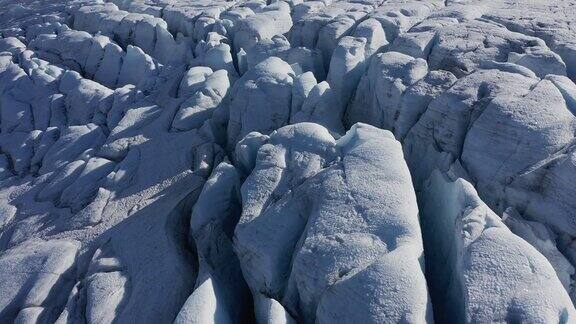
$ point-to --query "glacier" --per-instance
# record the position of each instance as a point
(287, 161)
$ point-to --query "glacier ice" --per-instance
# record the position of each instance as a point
(479, 271)
(287, 161)
(362, 227)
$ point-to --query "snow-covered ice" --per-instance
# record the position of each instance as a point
(287, 161)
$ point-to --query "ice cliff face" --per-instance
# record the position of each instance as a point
(287, 161)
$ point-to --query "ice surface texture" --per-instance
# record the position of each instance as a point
(287, 161)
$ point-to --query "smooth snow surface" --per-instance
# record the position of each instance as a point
(287, 161)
